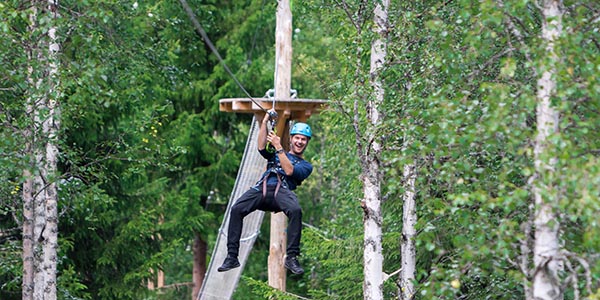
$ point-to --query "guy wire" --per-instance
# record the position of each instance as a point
(200, 30)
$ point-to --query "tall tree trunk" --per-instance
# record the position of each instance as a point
(29, 190)
(28, 242)
(371, 173)
(40, 193)
(547, 263)
(199, 269)
(407, 245)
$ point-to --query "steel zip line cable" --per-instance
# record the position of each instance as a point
(200, 30)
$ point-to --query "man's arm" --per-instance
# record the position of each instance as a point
(262, 133)
(302, 170)
(284, 161)
(271, 137)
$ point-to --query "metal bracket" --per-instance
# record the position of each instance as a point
(270, 94)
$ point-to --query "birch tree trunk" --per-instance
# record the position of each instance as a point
(371, 174)
(40, 193)
(28, 218)
(407, 245)
(29, 186)
(547, 263)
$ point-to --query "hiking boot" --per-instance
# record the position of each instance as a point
(292, 264)
(229, 263)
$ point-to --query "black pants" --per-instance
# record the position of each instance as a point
(252, 200)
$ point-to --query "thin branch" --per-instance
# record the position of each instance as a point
(488, 62)
(340, 105)
(296, 296)
(573, 279)
(176, 285)
(587, 25)
(320, 232)
(515, 31)
(357, 133)
(586, 266)
(346, 10)
(541, 266)
(387, 276)
(594, 151)
(9, 232)
(355, 120)
(438, 8)
(525, 251)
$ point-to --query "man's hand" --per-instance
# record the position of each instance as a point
(274, 140)
(263, 134)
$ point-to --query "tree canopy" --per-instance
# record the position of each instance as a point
(147, 161)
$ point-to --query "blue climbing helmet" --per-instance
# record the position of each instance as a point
(301, 128)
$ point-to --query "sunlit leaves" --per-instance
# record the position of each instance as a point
(145, 137)
(462, 88)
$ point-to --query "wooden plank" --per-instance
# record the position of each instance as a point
(295, 106)
(288, 109)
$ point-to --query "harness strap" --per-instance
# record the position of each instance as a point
(264, 195)
(278, 185)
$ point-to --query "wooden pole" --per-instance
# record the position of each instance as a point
(283, 76)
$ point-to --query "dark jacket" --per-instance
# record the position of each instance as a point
(302, 170)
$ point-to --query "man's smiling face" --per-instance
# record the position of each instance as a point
(298, 144)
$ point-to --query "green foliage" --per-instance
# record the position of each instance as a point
(10, 269)
(337, 264)
(144, 149)
(265, 291)
(461, 100)
(147, 160)
(71, 287)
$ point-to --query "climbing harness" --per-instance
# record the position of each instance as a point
(273, 167)
(264, 185)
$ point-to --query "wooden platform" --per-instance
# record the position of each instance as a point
(288, 109)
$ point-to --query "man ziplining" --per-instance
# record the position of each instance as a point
(274, 191)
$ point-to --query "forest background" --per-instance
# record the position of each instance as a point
(145, 162)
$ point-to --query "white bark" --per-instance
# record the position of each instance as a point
(547, 263)
(40, 197)
(373, 257)
(29, 187)
(28, 241)
(407, 245)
